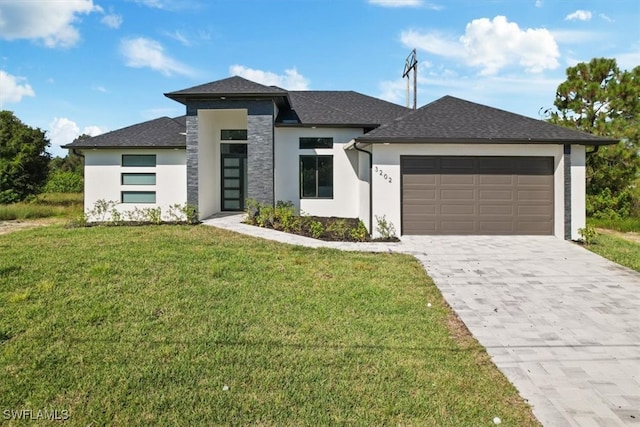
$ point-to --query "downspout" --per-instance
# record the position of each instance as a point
(595, 150)
(355, 145)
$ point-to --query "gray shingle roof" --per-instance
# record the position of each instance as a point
(233, 86)
(341, 108)
(163, 132)
(450, 119)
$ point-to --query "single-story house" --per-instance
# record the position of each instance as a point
(450, 167)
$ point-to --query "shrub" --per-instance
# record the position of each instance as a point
(64, 182)
(360, 233)
(588, 235)
(339, 228)
(316, 228)
(385, 229)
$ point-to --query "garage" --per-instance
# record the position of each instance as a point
(477, 195)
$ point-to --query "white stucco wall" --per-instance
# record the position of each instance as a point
(386, 162)
(103, 170)
(347, 186)
(210, 123)
(578, 190)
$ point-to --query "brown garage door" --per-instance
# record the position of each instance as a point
(477, 195)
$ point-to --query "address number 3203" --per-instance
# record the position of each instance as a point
(384, 176)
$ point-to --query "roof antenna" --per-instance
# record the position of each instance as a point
(411, 63)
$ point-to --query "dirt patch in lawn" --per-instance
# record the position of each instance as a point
(630, 235)
(17, 225)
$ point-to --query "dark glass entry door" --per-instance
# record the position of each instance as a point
(234, 176)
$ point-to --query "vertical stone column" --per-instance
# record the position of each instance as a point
(192, 160)
(260, 158)
(567, 191)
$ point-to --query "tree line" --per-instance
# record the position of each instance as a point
(597, 97)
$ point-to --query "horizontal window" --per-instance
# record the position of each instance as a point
(316, 143)
(139, 160)
(138, 197)
(138, 179)
(233, 134)
(316, 177)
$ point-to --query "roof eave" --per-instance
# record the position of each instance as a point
(421, 140)
(327, 125)
(127, 147)
(280, 98)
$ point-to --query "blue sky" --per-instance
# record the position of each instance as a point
(91, 66)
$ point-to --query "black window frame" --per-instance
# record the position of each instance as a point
(308, 142)
(317, 179)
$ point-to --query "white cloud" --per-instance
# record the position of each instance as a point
(405, 3)
(12, 88)
(180, 37)
(112, 20)
(575, 36)
(291, 79)
(166, 4)
(64, 131)
(539, 3)
(49, 21)
(101, 89)
(142, 52)
(606, 18)
(492, 45)
(579, 15)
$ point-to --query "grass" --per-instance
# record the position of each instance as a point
(618, 250)
(623, 225)
(60, 205)
(147, 325)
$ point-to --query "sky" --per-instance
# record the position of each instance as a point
(91, 66)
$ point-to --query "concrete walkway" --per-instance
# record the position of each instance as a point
(561, 323)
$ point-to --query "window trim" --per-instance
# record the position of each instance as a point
(122, 175)
(122, 193)
(313, 142)
(317, 187)
(130, 156)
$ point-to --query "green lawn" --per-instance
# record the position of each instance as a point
(621, 224)
(617, 249)
(146, 326)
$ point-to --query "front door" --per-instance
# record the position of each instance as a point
(234, 176)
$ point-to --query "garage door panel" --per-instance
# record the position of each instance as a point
(496, 180)
(533, 195)
(454, 194)
(477, 195)
(495, 209)
(457, 180)
(457, 209)
(457, 227)
(488, 195)
(495, 227)
(421, 180)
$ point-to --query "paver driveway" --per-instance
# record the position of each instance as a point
(562, 323)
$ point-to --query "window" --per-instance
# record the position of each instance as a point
(316, 143)
(139, 160)
(138, 197)
(138, 179)
(316, 177)
(233, 134)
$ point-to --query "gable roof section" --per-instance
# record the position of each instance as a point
(163, 132)
(232, 87)
(451, 119)
(338, 108)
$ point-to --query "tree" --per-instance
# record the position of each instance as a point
(23, 159)
(72, 162)
(600, 99)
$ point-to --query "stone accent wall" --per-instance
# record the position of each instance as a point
(192, 160)
(567, 191)
(260, 158)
